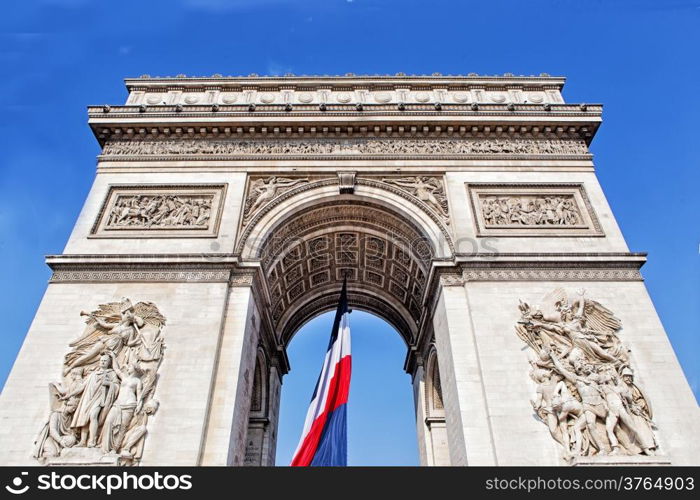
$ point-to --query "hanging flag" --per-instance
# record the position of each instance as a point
(324, 441)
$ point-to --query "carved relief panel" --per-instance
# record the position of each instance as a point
(532, 210)
(149, 211)
(586, 394)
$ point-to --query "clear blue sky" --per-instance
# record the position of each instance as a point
(639, 58)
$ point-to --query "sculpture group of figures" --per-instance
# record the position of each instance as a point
(160, 211)
(135, 147)
(106, 394)
(530, 211)
(586, 393)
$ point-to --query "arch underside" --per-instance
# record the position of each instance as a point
(384, 256)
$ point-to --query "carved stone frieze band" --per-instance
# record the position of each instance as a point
(512, 209)
(341, 147)
(530, 274)
(213, 92)
(451, 279)
(160, 211)
(242, 278)
(138, 274)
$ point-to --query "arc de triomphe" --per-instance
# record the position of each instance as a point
(465, 211)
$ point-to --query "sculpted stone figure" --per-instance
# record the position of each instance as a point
(118, 334)
(619, 399)
(160, 210)
(585, 390)
(129, 401)
(554, 403)
(109, 381)
(132, 446)
(426, 189)
(97, 393)
(263, 191)
(57, 432)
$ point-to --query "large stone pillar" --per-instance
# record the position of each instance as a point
(419, 405)
(273, 411)
(469, 432)
(225, 435)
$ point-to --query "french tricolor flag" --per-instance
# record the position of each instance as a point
(324, 441)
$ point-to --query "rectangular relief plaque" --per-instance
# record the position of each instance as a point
(556, 210)
(162, 210)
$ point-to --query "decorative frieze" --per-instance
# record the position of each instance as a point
(424, 93)
(562, 274)
(160, 210)
(532, 210)
(106, 275)
(341, 147)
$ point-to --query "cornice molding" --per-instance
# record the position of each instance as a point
(305, 111)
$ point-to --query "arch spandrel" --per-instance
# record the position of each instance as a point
(257, 228)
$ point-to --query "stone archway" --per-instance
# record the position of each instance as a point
(233, 208)
(306, 247)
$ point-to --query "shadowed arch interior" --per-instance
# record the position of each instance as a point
(384, 256)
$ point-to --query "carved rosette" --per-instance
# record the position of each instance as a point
(586, 392)
(101, 407)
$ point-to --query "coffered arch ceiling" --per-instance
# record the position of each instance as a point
(385, 257)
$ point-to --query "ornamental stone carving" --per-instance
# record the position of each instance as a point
(262, 191)
(160, 210)
(532, 210)
(340, 147)
(429, 190)
(101, 405)
(586, 393)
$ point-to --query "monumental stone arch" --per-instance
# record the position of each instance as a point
(463, 210)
